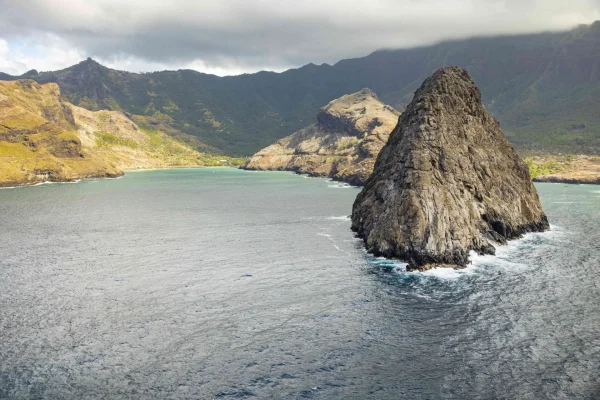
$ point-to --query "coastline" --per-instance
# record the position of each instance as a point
(21, 184)
(567, 180)
(352, 179)
(577, 170)
(555, 178)
(129, 170)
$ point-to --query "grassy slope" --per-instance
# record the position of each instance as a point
(565, 168)
(43, 138)
(38, 137)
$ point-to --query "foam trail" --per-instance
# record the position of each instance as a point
(340, 185)
(452, 273)
(342, 218)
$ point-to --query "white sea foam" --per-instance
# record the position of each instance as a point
(450, 273)
(342, 218)
(503, 257)
(340, 185)
(330, 218)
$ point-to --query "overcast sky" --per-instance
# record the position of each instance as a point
(228, 37)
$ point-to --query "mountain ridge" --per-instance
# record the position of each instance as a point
(542, 87)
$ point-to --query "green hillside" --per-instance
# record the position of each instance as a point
(544, 88)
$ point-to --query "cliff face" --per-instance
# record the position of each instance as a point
(38, 137)
(343, 144)
(447, 181)
(43, 138)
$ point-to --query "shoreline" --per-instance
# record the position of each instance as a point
(16, 185)
(553, 178)
(176, 167)
(567, 180)
(351, 182)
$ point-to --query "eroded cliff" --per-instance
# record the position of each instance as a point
(447, 181)
(342, 144)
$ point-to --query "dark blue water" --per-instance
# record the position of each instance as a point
(218, 283)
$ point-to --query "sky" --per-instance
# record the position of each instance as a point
(230, 37)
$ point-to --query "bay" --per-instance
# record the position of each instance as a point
(221, 283)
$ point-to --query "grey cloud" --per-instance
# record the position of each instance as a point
(255, 33)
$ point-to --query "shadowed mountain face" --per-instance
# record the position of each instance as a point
(544, 89)
(447, 181)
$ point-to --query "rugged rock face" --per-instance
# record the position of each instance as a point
(38, 138)
(343, 144)
(447, 181)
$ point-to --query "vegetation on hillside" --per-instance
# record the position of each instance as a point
(565, 168)
(539, 166)
(43, 138)
(544, 89)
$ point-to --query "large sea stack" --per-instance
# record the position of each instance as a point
(447, 181)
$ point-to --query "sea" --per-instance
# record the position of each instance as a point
(218, 283)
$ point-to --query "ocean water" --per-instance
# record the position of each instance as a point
(220, 283)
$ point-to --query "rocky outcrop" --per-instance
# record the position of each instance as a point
(38, 138)
(447, 182)
(343, 144)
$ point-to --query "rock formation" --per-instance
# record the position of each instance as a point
(447, 181)
(343, 144)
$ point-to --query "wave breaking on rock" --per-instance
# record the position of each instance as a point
(447, 181)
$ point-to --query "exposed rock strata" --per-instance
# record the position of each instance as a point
(447, 181)
(343, 144)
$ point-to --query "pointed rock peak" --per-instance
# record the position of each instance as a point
(447, 182)
(90, 63)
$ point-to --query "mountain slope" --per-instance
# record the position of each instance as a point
(544, 89)
(343, 144)
(43, 138)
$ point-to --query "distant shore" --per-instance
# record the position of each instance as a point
(17, 184)
(572, 170)
(178, 167)
(569, 169)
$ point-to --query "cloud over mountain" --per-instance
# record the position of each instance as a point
(234, 36)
